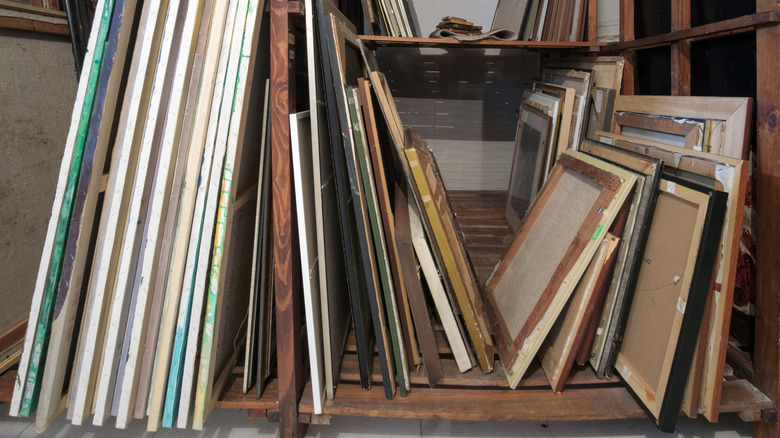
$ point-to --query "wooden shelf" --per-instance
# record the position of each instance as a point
(374, 41)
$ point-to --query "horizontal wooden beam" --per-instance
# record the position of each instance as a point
(27, 24)
(374, 41)
(733, 26)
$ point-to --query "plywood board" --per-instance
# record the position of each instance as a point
(669, 298)
(33, 145)
(574, 209)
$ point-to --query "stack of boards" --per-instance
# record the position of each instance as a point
(543, 20)
(611, 257)
(393, 18)
(148, 270)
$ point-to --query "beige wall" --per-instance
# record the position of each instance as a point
(37, 90)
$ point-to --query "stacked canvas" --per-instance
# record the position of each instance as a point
(543, 20)
(142, 288)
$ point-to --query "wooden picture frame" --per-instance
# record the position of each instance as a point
(528, 162)
(575, 207)
(431, 195)
(606, 71)
(669, 299)
(361, 313)
(581, 82)
(611, 321)
(559, 349)
(549, 105)
(600, 114)
(731, 177)
(684, 133)
(566, 97)
(734, 114)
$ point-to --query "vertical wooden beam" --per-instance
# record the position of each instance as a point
(627, 34)
(681, 50)
(288, 323)
(592, 24)
(767, 354)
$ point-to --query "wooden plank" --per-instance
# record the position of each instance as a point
(766, 356)
(681, 50)
(30, 25)
(745, 23)
(488, 405)
(81, 110)
(374, 41)
(233, 396)
(740, 396)
(289, 354)
(413, 283)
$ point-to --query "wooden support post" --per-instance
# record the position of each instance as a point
(767, 353)
(681, 50)
(288, 323)
(627, 34)
(592, 26)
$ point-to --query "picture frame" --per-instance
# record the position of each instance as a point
(577, 205)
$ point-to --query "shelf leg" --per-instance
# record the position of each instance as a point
(767, 353)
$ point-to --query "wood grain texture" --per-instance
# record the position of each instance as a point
(767, 356)
(288, 321)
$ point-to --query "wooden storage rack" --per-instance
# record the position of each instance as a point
(287, 398)
(584, 399)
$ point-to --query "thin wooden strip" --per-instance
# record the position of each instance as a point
(488, 404)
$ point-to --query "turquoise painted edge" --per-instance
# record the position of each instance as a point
(33, 383)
